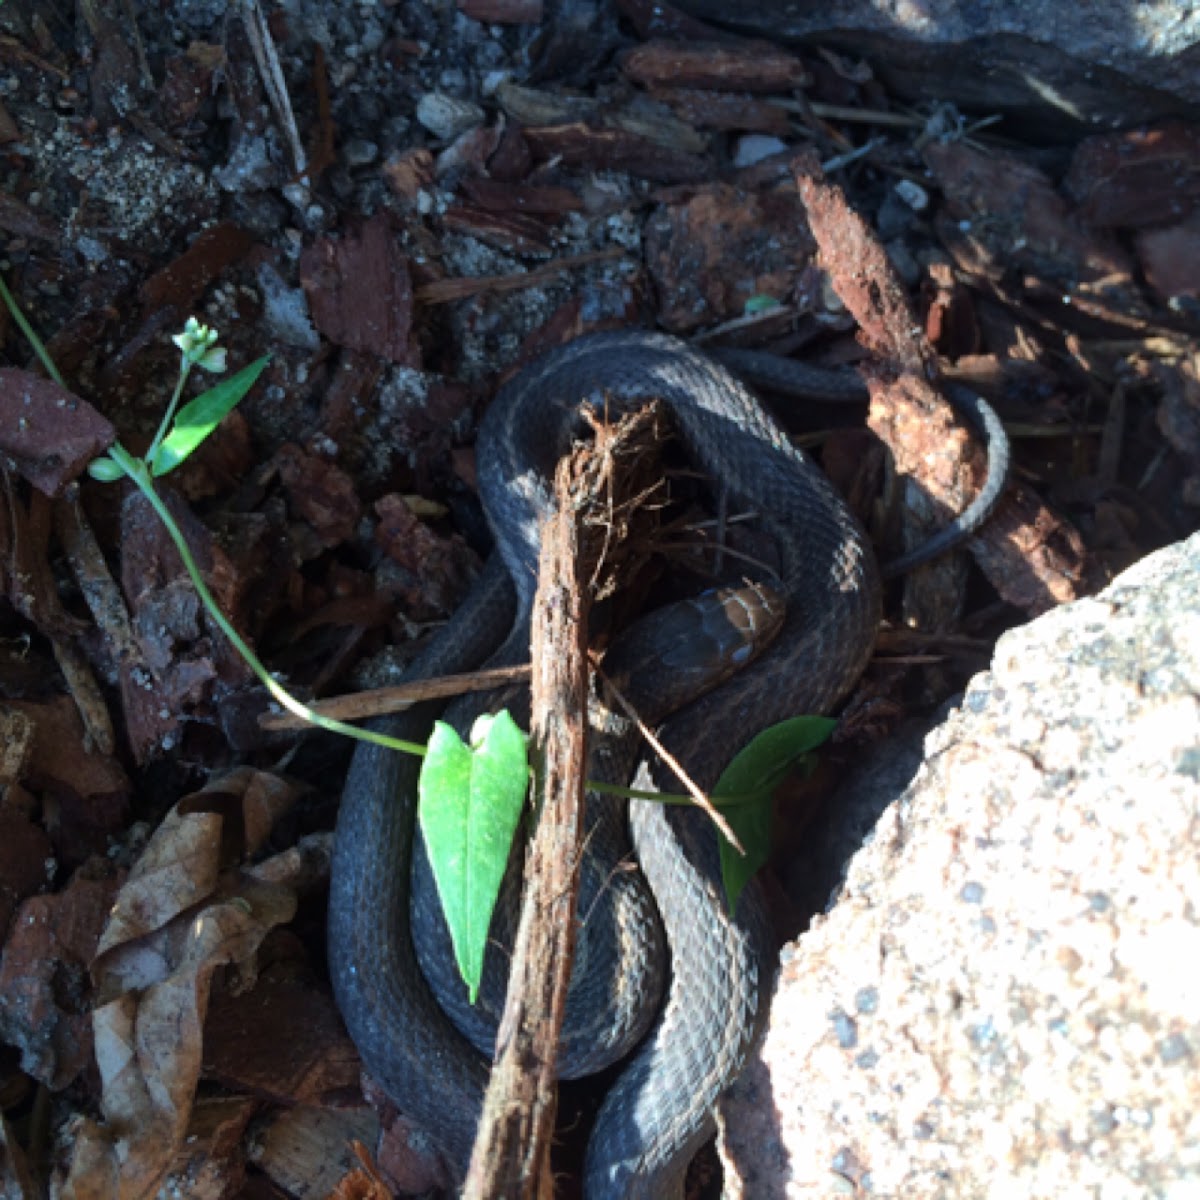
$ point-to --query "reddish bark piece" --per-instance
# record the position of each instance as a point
(512, 158)
(950, 323)
(151, 561)
(21, 221)
(341, 403)
(180, 284)
(577, 144)
(323, 143)
(440, 567)
(1053, 561)
(1032, 556)
(44, 991)
(735, 67)
(83, 826)
(86, 794)
(503, 12)
(58, 757)
(513, 232)
(187, 83)
(360, 292)
(1017, 222)
(182, 653)
(863, 276)
(725, 110)
(445, 402)
(25, 562)
(1136, 178)
(494, 195)
(113, 77)
(283, 1040)
(319, 492)
(368, 610)
(709, 255)
(360, 1184)
(608, 306)
(48, 434)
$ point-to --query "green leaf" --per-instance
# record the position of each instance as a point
(752, 777)
(105, 470)
(199, 417)
(470, 801)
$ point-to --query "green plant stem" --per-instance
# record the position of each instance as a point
(139, 473)
(30, 336)
(185, 369)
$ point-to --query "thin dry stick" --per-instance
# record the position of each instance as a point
(443, 291)
(273, 79)
(690, 786)
(361, 706)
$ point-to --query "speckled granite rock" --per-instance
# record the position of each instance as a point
(1108, 61)
(1005, 1000)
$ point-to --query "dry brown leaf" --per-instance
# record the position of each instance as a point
(178, 869)
(175, 921)
(249, 801)
(148, 1049)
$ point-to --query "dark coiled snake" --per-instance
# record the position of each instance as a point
(661, 1108)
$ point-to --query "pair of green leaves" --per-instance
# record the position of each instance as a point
(471, 796)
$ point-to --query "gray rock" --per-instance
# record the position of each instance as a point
(447, 116)
(1109, 61)
(1005, 1000)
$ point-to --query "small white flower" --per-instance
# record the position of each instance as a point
(198, 343)
(213, 360)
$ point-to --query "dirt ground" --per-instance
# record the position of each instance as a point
(401, 205)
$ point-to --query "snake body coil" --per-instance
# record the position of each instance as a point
(660, 1109)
